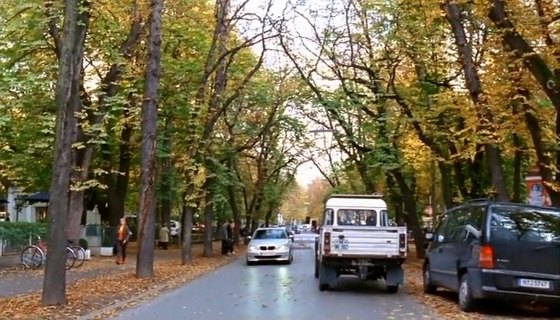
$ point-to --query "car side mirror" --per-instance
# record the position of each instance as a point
(429, 236)
(249, 237)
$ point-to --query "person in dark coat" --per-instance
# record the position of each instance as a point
(226, 235)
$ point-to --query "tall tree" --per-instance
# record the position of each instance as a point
(67, 94)
(145, 258)
(493, 153)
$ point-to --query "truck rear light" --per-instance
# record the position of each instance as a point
(402, 242)
(486, 257)
(327, 242)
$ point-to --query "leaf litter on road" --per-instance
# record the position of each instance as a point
(445, 303)
(111, 292)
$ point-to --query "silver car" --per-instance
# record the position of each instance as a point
(270, 244)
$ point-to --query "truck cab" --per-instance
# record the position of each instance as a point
(356, 239)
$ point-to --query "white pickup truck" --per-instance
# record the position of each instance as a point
(355, 239)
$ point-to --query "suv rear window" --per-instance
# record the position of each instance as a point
(522, 223)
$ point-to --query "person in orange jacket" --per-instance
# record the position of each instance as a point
(123, 234)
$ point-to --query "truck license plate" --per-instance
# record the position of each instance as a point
(340, 244)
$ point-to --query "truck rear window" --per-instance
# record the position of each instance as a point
(521, 223)
(353, 217)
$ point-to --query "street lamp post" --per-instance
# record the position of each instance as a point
(19, 200)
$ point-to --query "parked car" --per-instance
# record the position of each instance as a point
(493, 250)
(270, 244)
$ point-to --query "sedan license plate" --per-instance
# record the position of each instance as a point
(267, 253)
(535, 284)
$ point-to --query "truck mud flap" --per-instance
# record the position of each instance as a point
(327, 276)
(395, 275)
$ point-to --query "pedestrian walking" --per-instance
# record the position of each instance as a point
(164, 237)
(123, 235)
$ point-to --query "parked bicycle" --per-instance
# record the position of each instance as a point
(79, 252)
(35, 255)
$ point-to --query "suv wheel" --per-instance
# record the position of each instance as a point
(428, 286)
(466, 301)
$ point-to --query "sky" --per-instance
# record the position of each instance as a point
(308, 171)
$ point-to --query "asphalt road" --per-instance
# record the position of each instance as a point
(278, 292)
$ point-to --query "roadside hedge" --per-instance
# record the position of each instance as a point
(18, 233)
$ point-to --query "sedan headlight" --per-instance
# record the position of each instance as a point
(282, 248)
(253, 248)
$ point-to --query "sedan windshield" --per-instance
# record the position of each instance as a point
(524, 224)
(270, 234)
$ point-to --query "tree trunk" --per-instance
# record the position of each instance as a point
(267, 217)
(517, 168)
(453, 14)
(82, 158)
(146, 228)
(186, 236)
(122, 177)
(395, 198)
(166, 173)
(446, 184)
(208, 222)
(232, 197)
(67, 97)
(75, 214)
(412, 218)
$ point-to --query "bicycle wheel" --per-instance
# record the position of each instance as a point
(80, 255)
(70, 258)
(32, 257)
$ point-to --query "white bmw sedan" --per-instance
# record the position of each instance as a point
(270, 244)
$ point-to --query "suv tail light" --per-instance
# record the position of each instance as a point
(486, 257)
(327, 242)
(402, 242)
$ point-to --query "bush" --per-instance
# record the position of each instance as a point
(83, 243)
(19, 233)
(109, 236)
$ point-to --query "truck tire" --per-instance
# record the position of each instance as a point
(393, 289)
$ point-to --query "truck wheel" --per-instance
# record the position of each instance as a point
(393, 289)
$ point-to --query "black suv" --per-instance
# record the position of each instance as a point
(486, 250)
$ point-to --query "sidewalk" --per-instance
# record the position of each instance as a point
(9, 261)
(15, 280)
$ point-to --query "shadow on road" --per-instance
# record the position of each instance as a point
(495, 308)
(357, 286)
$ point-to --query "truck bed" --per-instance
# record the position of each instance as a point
(365, 242)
